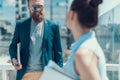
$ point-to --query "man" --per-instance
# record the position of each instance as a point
(39, 42)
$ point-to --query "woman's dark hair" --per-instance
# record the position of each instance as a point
(28, 1)
(87, 11)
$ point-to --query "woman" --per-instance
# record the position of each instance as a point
(87, 60)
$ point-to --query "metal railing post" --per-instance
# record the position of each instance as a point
(4, 75)
(119, 68)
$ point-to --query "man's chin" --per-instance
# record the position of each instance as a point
(37, 21)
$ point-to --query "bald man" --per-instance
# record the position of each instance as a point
(39, 42)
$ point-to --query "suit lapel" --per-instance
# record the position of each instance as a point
(28, 26)
(45, 32)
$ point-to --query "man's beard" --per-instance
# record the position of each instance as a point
(37, 17)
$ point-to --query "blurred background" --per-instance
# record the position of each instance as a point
(107, 31)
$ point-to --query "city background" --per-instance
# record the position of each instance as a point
(107, 31)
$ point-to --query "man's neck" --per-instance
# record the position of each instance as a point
(37, 22)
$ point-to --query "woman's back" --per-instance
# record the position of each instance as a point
(87, 41)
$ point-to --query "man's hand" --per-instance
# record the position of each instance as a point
(16, 65)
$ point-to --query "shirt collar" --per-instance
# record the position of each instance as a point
(40, 23)
(83, 38)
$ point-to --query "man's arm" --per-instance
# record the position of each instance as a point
(13, 45)
(13, 48)
(57, 47)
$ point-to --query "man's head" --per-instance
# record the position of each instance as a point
(36, 8)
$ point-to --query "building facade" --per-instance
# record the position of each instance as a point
(21, 9)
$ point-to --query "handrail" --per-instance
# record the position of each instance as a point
(7, 66)
(112, 67)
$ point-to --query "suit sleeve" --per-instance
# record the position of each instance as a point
(57, 47)
(15, 40)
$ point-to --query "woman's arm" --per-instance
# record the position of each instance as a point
(86, 64)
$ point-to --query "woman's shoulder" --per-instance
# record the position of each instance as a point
(84, 59)
(83, 52)
(90, 44)
(93, 46)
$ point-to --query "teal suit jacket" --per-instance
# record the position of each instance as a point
(51, 46)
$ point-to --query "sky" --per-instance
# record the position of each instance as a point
(7, 11)
(7, 2)
(107, 5)
(1, 1)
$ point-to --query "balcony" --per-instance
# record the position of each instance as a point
(6, 67)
